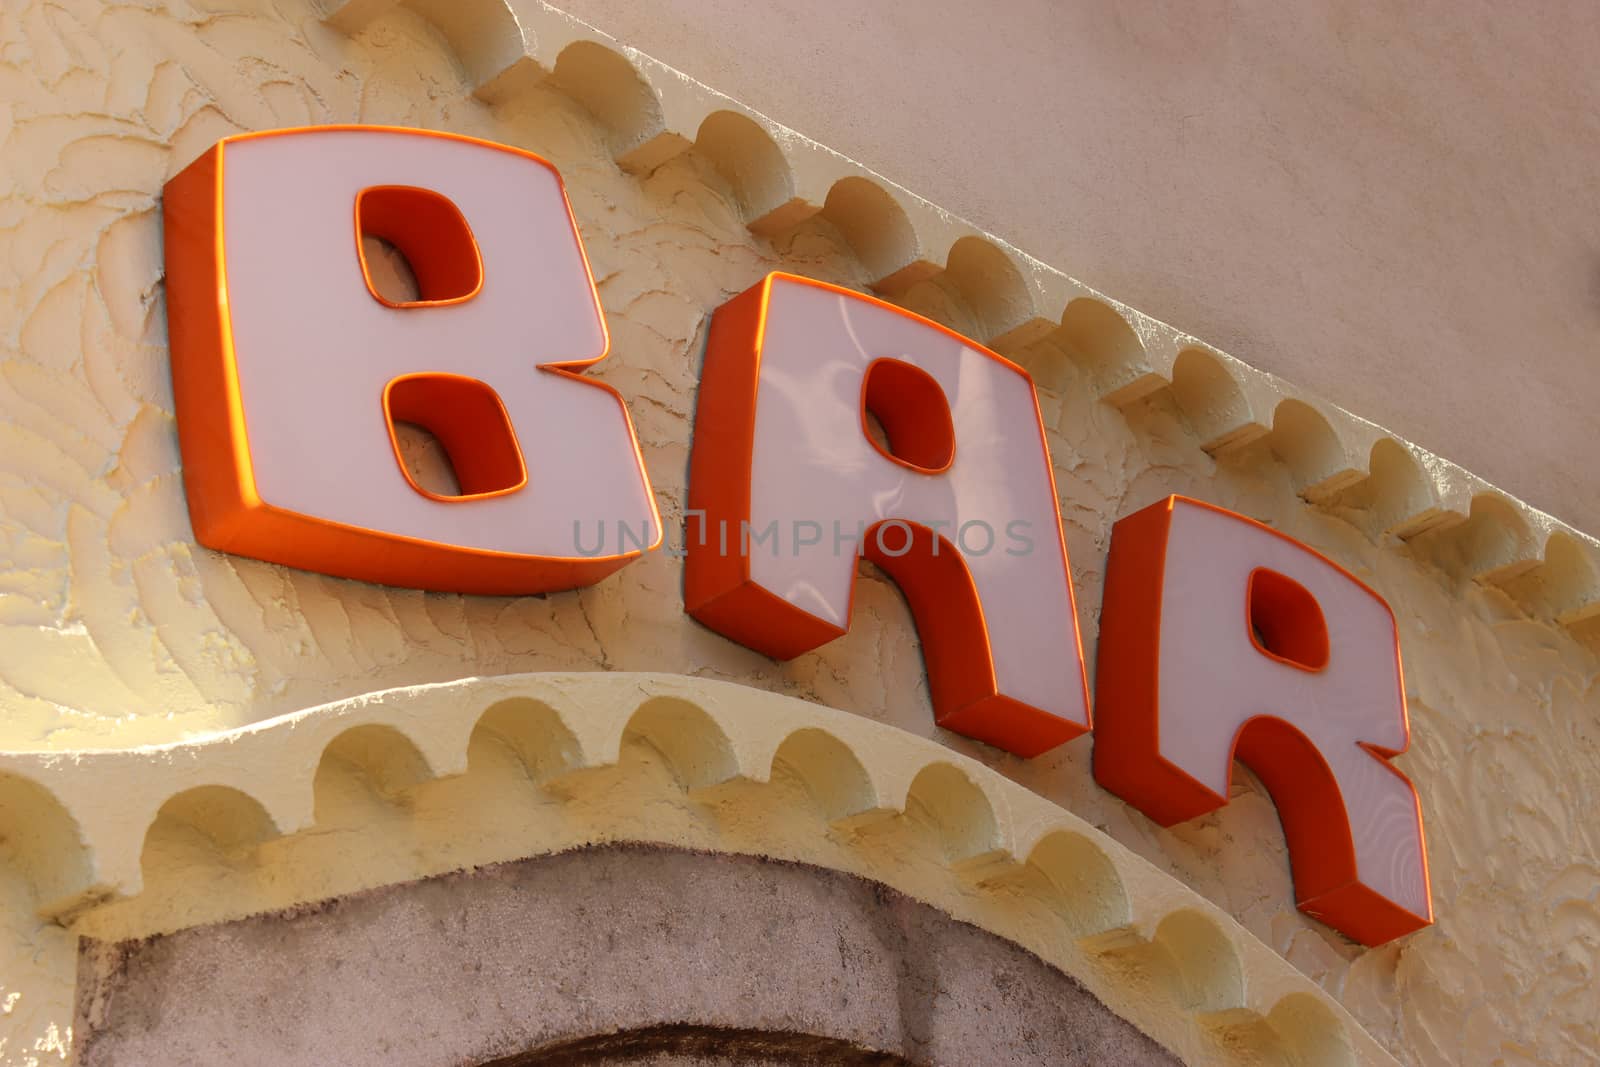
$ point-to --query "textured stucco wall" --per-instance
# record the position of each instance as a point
(115, 628)
(1392, 206)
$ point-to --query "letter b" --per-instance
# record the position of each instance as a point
(291, 369)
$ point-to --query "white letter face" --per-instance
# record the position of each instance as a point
(1253, 631)
(322, 362)
(964, 493)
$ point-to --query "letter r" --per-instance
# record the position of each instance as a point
(290, 370)
(1222, 638)
(795, 373)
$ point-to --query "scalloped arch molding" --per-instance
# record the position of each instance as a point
(1015, 304)
(395, 786)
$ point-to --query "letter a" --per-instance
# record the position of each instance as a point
(1222, 638)
(796, 372)
(291, 369)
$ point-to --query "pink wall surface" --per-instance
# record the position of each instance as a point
(1394, 208)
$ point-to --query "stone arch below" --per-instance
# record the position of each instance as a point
(603, 955)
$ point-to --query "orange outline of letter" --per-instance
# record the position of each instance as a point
(1127, 752)
(225, 509)
(719, 591)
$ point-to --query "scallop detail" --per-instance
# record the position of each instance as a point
(833, 776)
(40, 842)
(204, 814)
(1209, 396)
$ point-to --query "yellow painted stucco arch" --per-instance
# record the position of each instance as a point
(405, 784)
